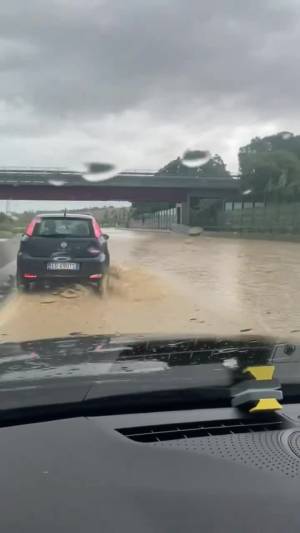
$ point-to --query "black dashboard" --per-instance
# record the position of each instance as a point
(95, 474)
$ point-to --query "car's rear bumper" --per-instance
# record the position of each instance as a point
(37, 267)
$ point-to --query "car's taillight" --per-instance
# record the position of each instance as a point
(96, 228)
(30, 228)
(30, 276)
(95, 276)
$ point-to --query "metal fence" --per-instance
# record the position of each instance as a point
(272, 218)
(162, 220)
(242, 217)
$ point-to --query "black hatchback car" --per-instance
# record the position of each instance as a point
(62, 247)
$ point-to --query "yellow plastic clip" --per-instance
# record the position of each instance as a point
(261, 373)
(266, 404)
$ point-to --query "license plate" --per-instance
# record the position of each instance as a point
(63, 266)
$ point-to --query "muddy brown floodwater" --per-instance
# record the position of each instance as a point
(164, 283)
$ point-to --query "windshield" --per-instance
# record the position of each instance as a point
(149, 173)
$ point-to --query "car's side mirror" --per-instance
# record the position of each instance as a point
(105, 236)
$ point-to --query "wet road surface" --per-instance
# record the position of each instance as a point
(164, 283)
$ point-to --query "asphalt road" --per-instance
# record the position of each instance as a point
(163, 283)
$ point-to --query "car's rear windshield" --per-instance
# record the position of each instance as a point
(63, 227)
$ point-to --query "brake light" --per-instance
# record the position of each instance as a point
(29, 276)
(30, 228)
(95, 276)
(96, 228)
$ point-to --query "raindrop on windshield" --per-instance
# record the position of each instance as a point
(286, 135)
(56, 183)
(99, 171)
(195, 158)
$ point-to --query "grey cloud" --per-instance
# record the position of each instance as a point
(85, 59)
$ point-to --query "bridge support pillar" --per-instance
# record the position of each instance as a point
(185, 211)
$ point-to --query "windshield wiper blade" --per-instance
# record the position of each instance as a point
(129, 403)
(159, 400)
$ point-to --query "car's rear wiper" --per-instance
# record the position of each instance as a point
(54, 235)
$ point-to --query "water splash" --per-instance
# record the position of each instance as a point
(195, 158)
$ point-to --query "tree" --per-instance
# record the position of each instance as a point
(270, 167)
(214, 168)
(4, 218)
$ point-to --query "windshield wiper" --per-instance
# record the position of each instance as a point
(142, 402)
(138, 402)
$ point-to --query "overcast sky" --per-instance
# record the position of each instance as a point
(136, 82)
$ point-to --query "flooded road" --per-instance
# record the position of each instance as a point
(164, 283)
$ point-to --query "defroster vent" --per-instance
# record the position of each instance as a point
(188, 430)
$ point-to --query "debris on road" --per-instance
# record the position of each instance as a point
(69, 293)
(195, 231)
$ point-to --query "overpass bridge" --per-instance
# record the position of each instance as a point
(53, 184)
(57, 184)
